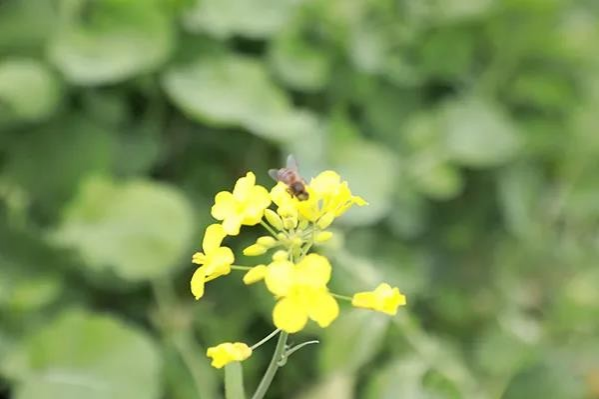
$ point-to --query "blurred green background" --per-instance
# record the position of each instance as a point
(471, 127)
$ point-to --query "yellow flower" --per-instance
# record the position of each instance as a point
(214, 262)
(228, 352)
(328, 195)
(245, 206)
(383, 299)
(302, 292)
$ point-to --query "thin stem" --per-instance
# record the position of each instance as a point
(300, 346)
(234, 381)
(237, 267)
(265, 339)
(344, 297)
(272, 367)
(267, 227)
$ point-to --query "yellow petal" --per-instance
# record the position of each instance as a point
(323, 308)
(198, 258)
(213, 237)
(314, 271)
(243, 186)
(326, 220)
(232, 224)
(289, 315)
(255, 204)
(228, 352)
(255, 274)
(219, 263)
(224, 205)
(325, 182)
(279, 278)
(197, 283)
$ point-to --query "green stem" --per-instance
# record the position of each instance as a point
(272, 367)
(234, 381)
(265, 339)
(344, 297)
(237, 267)
(267, 227)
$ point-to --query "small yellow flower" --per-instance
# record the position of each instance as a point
(302, 292)
(383, 299)
(244, 206)
(214, 262)
(328, 195)
(228, 352)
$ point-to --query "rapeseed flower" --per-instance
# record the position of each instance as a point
(297, 279)
(383, 299)
(244, 206)
(214, 262)
(302, 292)
(228, 352)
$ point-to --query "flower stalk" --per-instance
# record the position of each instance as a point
(273, 366)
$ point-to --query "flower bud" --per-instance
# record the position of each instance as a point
(323, 236)
(273, 219)
(280, 255)
(254, 250)
(267, 241)
(255, 274)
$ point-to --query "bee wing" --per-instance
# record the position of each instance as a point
(274, 173)
(292, 163)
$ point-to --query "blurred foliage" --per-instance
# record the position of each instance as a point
(469, 125)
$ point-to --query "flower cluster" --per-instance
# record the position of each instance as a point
(297, 279)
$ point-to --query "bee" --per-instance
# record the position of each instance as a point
(296, 185)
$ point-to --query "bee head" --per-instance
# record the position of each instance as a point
(302, 196)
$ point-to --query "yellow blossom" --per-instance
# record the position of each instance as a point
(302, 292)
(328, 195)
(244, 206)
(383, 299)
(214, 262)
(228, 352)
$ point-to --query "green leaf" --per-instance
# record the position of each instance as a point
(138, 229)
(226, 18)
(477, 133)
(82, 355)
(25, 25)
(71, 149)
(29, 90)
(553, 378)
(338, 386)
(235, 91)
(108, 41)
(362, 331)
(299, 63)
(401, 378)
